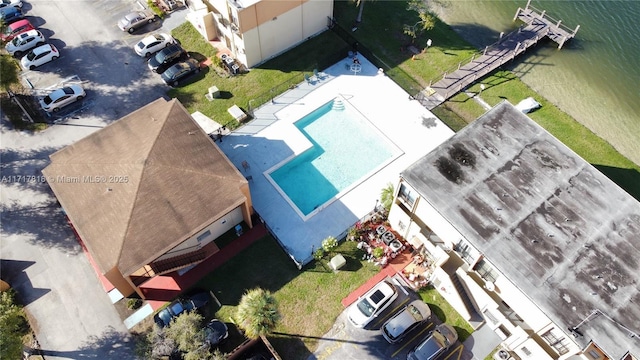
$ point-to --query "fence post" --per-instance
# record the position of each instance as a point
(542, 15)
(485, 50)
(459, 64)
(558, 25)
(576, 30)
(501, 35)
(517, 13)
(444, 76)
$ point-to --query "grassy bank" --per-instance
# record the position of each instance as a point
(447, 50)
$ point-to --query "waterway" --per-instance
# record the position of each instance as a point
(595, 77)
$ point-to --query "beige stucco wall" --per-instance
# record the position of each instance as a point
(217, 228)
(119, 282)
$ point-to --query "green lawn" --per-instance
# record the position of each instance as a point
(449, 49)
(309, 299)
(503, 85)
(445, 312)
(258, 85)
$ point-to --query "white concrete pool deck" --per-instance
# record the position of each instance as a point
(271, 138)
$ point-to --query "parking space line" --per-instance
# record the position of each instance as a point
(454, 351)
(406, 343)
(392, 312)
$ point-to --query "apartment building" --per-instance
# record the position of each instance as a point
(149, 194)
(257, 30)
(527, 238)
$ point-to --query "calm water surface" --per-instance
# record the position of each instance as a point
(595, 77)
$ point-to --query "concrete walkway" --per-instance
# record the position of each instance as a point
(271, 139)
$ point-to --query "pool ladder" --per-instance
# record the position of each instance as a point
(338, 104)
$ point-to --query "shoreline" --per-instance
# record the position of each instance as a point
(617, 134)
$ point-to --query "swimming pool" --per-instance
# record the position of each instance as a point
(346, 149)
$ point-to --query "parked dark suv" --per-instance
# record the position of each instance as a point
(167, 57)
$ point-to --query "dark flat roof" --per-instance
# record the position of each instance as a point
(559, 229)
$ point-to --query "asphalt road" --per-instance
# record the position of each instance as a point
(344, 341)
(70, 311)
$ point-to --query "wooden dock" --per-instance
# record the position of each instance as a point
(538, 25)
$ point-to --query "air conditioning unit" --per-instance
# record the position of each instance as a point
(503, 355)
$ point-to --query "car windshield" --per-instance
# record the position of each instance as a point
(177, 308)
(365, 307)
(428, 349)
(31, 55)
(15, 41)
(67, 90)
(158, 37)
(47, 100)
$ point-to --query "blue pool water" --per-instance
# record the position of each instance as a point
(346, 149)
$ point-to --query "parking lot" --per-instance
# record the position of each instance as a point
(72, 315)
(344, 341)
(96, 54)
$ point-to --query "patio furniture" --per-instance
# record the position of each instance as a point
(319, 74)
(237, 113)
(356, 68)
(311, 80)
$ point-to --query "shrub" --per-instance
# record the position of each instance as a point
(318, 254)
(352, 233)
(378, 252)
(329, 244)
(155, 8)
(134, 303)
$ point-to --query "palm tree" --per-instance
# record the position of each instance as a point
(257, 313)
(386, 196)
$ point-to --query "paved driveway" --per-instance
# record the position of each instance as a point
(344, 341)
(71, 313)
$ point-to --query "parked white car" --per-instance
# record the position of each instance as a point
(153, 43)
(62, 97)
(371, 304)
(38, 56)
(24, 42)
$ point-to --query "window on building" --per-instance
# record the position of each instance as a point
(401, 226)
(594, 354)
(504, 330)
(490, 317)
(465, 250)
(202, 237)
(486, 271)
(558, 343)
(406, 195)
(526, 351)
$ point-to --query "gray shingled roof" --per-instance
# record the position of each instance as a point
(549, 221)
(177, 182)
